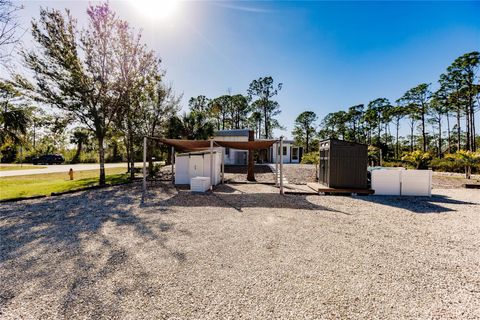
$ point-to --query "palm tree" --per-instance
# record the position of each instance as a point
(80, 138)
(190, 126)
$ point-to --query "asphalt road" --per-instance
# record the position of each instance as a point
(62, 168)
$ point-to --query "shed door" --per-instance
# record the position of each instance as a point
(324, 167)
(196, 166)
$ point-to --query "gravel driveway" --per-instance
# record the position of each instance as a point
(243, 252)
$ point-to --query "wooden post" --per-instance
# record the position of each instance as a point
(172, 161)
(211, 164)
(144, 167)
(223, 165)
(281, 165)
(276, 163)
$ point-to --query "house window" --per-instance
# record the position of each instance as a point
(284, 151)
(294, 153)
(227, 151)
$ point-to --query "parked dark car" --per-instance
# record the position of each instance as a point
(49, 159)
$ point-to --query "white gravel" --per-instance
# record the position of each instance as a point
(243, 252)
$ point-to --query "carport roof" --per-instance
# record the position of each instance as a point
(197, 145)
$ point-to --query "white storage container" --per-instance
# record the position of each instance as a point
(199, 184)
(386, 182)
(417, 183)
(197, 164)
(402, 182)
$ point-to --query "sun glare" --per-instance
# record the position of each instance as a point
(156, 9)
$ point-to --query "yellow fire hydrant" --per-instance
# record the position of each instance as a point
(70, 173)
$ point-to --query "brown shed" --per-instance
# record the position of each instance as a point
(343, 164)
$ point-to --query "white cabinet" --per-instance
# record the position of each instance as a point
(197, 164)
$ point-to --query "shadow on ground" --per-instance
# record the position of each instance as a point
(70, 242)
(226, 196)
(420, 205)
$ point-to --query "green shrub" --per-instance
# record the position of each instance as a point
(417, 158)
(85, 157)
(469, 160)
(311, 158)
(155, 169)
(396, 163)
(446, 165)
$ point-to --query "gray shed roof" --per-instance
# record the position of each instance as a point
(232, 133)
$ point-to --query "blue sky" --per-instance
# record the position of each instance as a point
(328, 55)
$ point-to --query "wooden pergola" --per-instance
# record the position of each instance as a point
(203, 145)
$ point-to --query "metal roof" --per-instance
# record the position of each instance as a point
(232, 133)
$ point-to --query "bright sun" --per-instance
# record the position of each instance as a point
(156, 9)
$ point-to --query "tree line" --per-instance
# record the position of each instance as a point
(256, 109)
(440, 120)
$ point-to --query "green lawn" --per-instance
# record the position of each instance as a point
(18, 167)
(39, 184)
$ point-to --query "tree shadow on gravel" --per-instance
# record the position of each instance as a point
(225, 196)
(419, 205)
(38, 237)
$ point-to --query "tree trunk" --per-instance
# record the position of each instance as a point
(101, 158)
(76, 157)
(307, 144)
(459, 132)
(266, 119)
(468, 172)
(127, 149)
(396, 147)
(424, 135)
(439, 137)
(448, 133)
(34, 136)
(411, 137)
(473, 144)
(467, 124)
(132, 160)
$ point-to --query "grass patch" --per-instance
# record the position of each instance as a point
(39, 184)
(17, 167)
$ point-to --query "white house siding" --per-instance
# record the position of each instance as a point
(288, 153)
(234, 156)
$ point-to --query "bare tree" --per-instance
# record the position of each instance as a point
(8, 28)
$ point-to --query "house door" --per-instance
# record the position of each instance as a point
(294, 154)
(196, 166)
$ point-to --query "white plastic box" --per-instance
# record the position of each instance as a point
(402, 182)
(199, 184)
(386, 182)
(417, 183)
